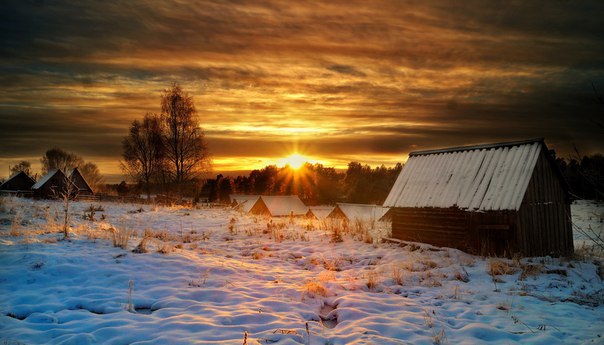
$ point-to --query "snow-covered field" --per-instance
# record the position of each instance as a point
(213, 276)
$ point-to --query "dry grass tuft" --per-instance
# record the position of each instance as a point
(326, 276)
(15, 226)
(500, 267)
(166, 248)
(461, 276)
(121, 236)
(313, 289)
(397, 275)
(141, 248)
(372, 280)
(530, 270)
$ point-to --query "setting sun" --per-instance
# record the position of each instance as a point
(295, 161)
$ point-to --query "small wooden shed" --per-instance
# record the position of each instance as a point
(319, 212)
(80, 182)
(279, 206)
(361, 212)
(243, 202)
(52, 185)
(502, 198)
(19, 183)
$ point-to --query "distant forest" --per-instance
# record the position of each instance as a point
(316, 184)
(585, 176)
(313, 183)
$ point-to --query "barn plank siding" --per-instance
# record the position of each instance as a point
(491, 199)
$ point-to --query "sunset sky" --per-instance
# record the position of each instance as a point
(335, 81)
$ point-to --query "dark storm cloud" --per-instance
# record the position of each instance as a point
(341, 78)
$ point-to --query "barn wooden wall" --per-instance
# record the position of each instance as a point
(544, 218)
(485, 233)
(541, 227)
(447, 227)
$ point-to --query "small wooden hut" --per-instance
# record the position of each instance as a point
(319, 212)
(243, 202)
(18, 184)
(80, 182)
(361, 212)
(502, 198)
(279, 206)
(53, 185)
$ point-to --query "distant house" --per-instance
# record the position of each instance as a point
(80, 182)
(319, 212)
(361, 212)
(18, 184)
(52, 185)
(279, 206)
(243, 202)
(489, 199)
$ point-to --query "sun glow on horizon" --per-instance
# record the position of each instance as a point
(295, 161)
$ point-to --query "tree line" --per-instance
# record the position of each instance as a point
(315, 184)
(585, 175)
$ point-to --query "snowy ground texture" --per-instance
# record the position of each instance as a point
(211, 276)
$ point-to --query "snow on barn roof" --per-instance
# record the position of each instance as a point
(284, 205)
(45, 178)
(244, 203)
(484, 177)
(320, 212)
(362, 211)
(240, 198)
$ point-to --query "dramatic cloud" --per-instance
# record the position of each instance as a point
(337, 80)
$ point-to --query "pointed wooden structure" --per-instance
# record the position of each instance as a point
(18, 184)
(502, 198)
(53, 185)
(83, 187)
(279, 206)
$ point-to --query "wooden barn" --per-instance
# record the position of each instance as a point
(279, 206)
(319, 212)
(18, 184)
(243, 202)
(361, 212)
(80, 182)
(502, 198)
(52, 185)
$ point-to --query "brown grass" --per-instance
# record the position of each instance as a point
(372, 280)
(165, 248)
(530, 270)
(500, 267)
(121, 236)
(313, 289)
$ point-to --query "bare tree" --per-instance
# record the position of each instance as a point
(186, 148)
(91, 173)
(57, 158)
(143, 151)
(67, 192)
(24, 166)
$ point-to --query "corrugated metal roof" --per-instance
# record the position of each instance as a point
(284, 205)
(363, 212)
(45, 178)
(483, 178)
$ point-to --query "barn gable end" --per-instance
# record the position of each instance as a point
(279, 206)
(488, 199)
(80, 182)
(19, 182)
(51, 185)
